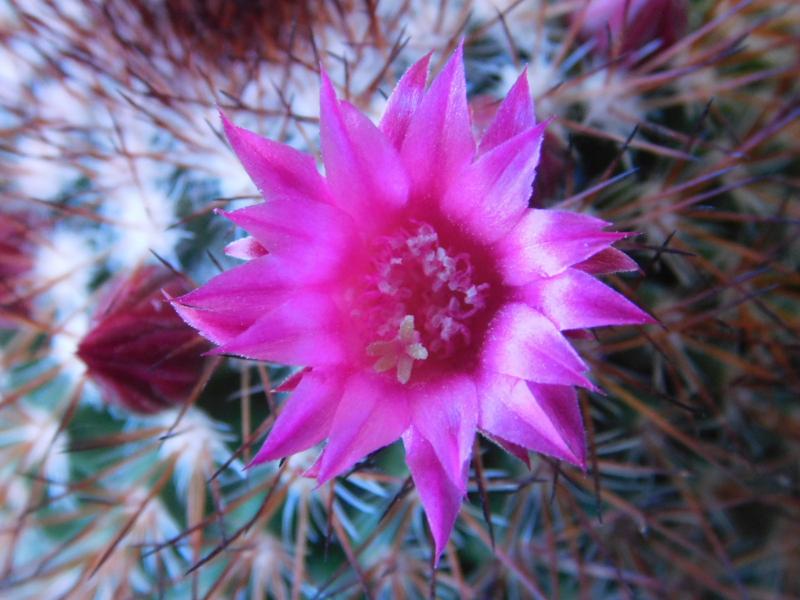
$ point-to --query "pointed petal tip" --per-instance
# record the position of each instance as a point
(440, 539)
(263, 455)
(592, 387)
(648, 319)
(518, 451)
(325, 84)
(582, 464)
(312, 472)
(228, 127)
(576, 460)
(180, 306)
(579, 458)
(456, 60)
(218, 351)
(254, 462)
(437, 556)
(323, 475)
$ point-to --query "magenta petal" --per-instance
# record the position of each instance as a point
(560, 403)
(312, 472)
(292, 381)
(232, 301)
(440, 496)
(520, 452)
(492, 194)
(307, 330)
(305, 419)
(439, 142)
(276, 169)
(364, 171)
(373, 413)
(606, 261)
(286, 223)
(403, 102)
(545, 242)
(248, 290)
(446, 413)
(211, 325)
(316, 238)
(246, 248)
(578, 334)
(542, 418)
(514, 115)
(576, 300)
(524, 343)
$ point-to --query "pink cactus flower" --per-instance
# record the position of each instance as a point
(427, 299)
(634, 23)
(138, 351)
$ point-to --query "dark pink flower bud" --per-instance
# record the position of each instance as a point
(16, 261)
(631, 24)
(139, 351)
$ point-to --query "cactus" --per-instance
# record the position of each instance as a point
(114, 161)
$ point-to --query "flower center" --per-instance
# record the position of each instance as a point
(418, 301)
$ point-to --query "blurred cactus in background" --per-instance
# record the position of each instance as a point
(123, 448)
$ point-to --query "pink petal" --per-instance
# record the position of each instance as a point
(403, 102)
(542, 418)
(306, 330)
(373, 413)
(312, 472)
(440, 496)
(276, 169)
(439, 143)
(578, 334)
(576, 300)
(545, 242)
(561, 404)
(292, 381)
(231, 302)
(609, 260)
(211, 325)
(446, 413)
(364, 171)
(492, 194)
(317, 238)
(246, 248)
(243, 286)
(524, 343)
(513, 449)
(514, 116)
(305, 419)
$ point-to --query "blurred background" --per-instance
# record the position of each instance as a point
(122, 447)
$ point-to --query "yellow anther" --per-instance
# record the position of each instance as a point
(399, 353)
